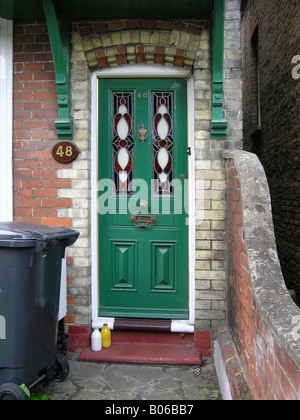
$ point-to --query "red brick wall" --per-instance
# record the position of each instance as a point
(35, 109)
(270, 371)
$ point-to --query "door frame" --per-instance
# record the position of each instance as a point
(143, 71)
(6, 119)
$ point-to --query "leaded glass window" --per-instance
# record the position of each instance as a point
(162, 142)
(123, 141)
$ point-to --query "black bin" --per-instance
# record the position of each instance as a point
(30, 276)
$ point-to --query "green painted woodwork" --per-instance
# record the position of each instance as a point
(143, 272)
(59, 33)
(219, 123)
(7, 8)
(20, 10)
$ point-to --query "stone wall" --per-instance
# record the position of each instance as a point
(263, 321)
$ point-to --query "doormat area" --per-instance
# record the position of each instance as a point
(149, 348)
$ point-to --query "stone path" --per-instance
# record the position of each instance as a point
(107, 381)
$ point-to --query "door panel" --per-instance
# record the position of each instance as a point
(142, 161)
(124, 266)
(164, 274)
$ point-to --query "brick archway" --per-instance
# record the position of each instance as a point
(170, 43)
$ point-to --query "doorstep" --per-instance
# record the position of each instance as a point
(147, 347)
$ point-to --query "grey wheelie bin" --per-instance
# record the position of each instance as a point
(30, 276)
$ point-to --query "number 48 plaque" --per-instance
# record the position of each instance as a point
(65, 152)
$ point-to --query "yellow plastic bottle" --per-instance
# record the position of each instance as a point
(106, 337)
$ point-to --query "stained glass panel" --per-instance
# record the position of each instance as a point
(123, 141)
(162, 142)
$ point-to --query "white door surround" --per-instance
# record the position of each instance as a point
(6, 107)
(143, 71)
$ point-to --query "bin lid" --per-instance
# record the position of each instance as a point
(18, 234)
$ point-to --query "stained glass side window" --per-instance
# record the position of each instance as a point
(123, 141)
(163, 142)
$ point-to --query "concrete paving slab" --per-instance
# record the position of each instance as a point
(113, 382)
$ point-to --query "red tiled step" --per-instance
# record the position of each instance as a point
(155, 348)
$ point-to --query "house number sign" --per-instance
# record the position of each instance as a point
(65, 152)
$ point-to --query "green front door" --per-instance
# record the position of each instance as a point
(142, 195)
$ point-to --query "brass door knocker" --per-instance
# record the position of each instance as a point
(142, 133)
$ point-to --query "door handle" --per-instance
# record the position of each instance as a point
(143, 204)
(142, 221)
